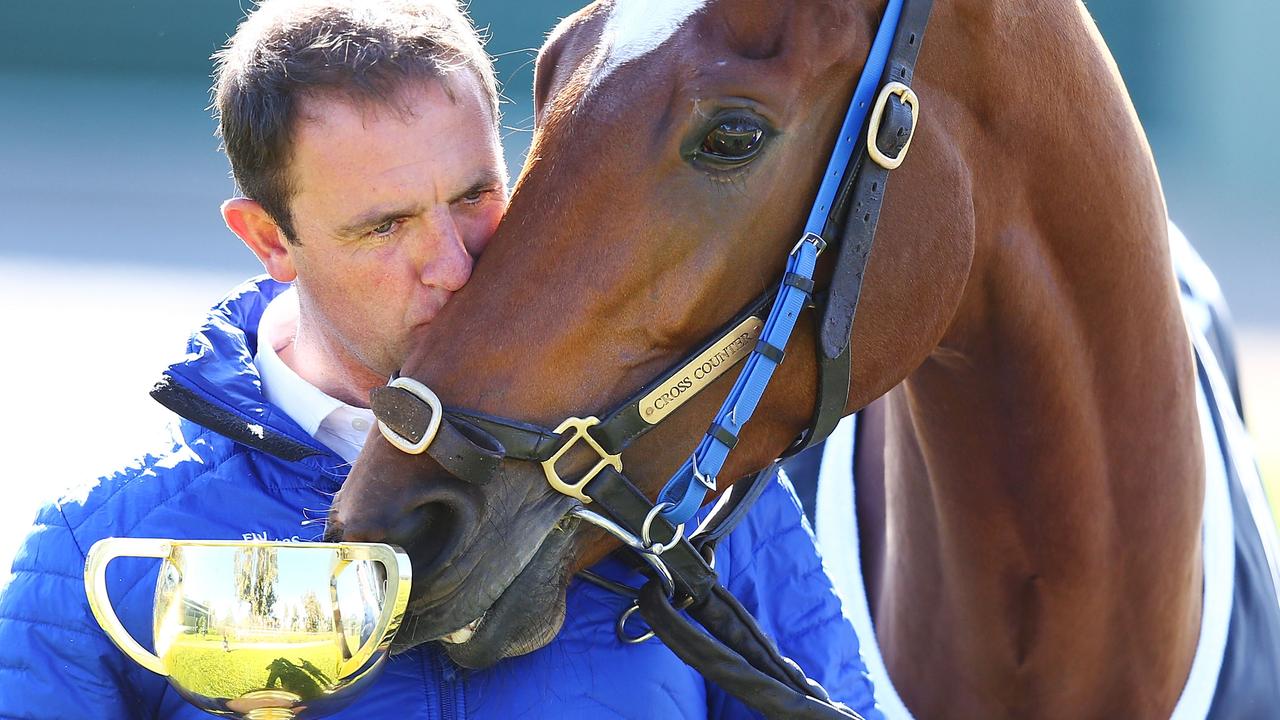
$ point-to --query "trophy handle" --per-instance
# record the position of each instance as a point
(396, 563)
(95, 586)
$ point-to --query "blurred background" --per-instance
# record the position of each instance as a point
(112, 248)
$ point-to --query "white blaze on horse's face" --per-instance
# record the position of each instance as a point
(636, 28)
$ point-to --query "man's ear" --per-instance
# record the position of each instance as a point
(252, 224)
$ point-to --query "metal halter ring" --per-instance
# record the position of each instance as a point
(621, 627)
(423, 393)
(631, 541)
(649, 544)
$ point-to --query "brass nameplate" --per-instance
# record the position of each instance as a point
(701, 371)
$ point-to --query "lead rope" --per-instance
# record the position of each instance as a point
(737, 655)
(745, 664)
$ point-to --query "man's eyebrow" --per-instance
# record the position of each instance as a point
(380, 215)
(375, 217)
(485, 182)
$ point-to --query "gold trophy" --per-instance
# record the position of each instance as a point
(262, 630)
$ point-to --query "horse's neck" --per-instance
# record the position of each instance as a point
(1044, 471)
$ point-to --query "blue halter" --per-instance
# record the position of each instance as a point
(685, 492)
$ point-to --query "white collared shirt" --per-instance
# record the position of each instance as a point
(338, 426)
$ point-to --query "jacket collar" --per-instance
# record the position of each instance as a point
(216, 384)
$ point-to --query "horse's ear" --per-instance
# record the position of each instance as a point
(544, 73)
(563, 52)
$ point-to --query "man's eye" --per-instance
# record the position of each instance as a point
(385, 228)
(473, 197)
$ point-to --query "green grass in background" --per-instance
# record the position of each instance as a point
(203, 664)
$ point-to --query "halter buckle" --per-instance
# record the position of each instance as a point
(909, 97)
(423, 393)
(708, 481)
(810, 237)
(575, 489)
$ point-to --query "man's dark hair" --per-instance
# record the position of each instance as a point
(286, 50)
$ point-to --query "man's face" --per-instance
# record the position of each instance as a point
(391, 209)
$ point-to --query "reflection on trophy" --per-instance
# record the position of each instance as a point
(262, 630)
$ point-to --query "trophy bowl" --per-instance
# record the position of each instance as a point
(257, 629)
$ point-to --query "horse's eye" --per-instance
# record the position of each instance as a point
(733, 142)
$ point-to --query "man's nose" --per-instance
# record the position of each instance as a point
(446, 263)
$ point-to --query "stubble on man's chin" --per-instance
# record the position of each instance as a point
(368, 370)
(388, 362)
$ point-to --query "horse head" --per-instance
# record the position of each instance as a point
(676, 153)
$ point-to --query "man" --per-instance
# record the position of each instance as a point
(364, 138)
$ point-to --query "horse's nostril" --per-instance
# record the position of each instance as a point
(430, 533)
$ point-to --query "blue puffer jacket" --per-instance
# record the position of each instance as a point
(261, 475)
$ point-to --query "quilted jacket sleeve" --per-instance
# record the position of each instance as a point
(55, 662)
(773, 568)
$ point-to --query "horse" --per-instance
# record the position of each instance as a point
(1032, 533)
